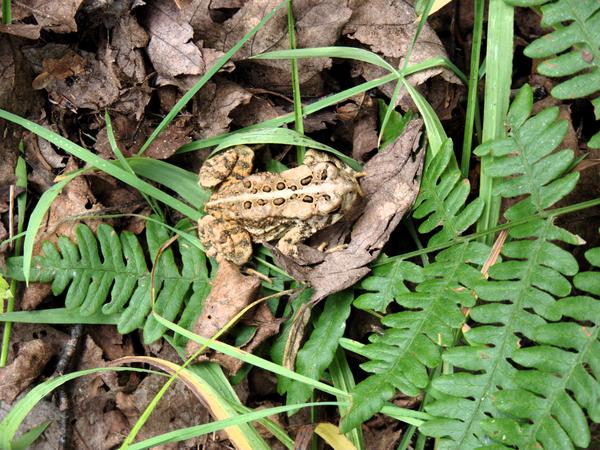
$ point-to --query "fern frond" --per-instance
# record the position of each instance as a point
(118, 268)
(442, 198)
(525, 381)
(401, 355)
(572, 49)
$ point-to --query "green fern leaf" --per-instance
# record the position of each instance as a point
(117, 268)
(319, 350)
(572, 49)
(386, 283)
(524, 381)
(442, 198)
(401, 355)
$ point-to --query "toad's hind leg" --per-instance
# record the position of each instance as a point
(225, 239)
(235, 164)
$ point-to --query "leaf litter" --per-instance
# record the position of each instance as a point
(135, 59)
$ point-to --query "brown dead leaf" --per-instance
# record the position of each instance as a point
(27, 31)
(258, 109)
(390, 187)
(58, 17)
(125, 132)
(113, 344)
(226, 4)
(128, 38)
(27, 366)
(198, 14)
(171, 48)
(3, 236)
(231, 292)
(174, 136)
(365, 136)
(381, 438)
(97, 423)
(76, 79)
(388, 29)
(215, 102)
(16, 94)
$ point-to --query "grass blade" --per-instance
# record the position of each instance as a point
(298, 121)
(497, 94)
(281, 136)
(61, 316)
(250, 358)
(472, 100)
(357, 54)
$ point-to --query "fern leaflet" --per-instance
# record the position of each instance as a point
(442, 198)
(118, 268)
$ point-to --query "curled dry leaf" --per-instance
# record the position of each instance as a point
(27, 366)
(390, 188)
(231, 292)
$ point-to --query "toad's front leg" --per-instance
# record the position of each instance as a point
(288, 244)
(225, 239)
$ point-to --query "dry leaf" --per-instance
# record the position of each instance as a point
(16, 94)
(267, 325)
(27, 366)
(27, 31)
(58, 17)
(231, 292)
(127, 38)
(174, 136)
(258, 109)
(390, 187)
(318, 24)
(171, 48)
(215, 101)
(93, 399)
(77, 79)
(178, 408)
